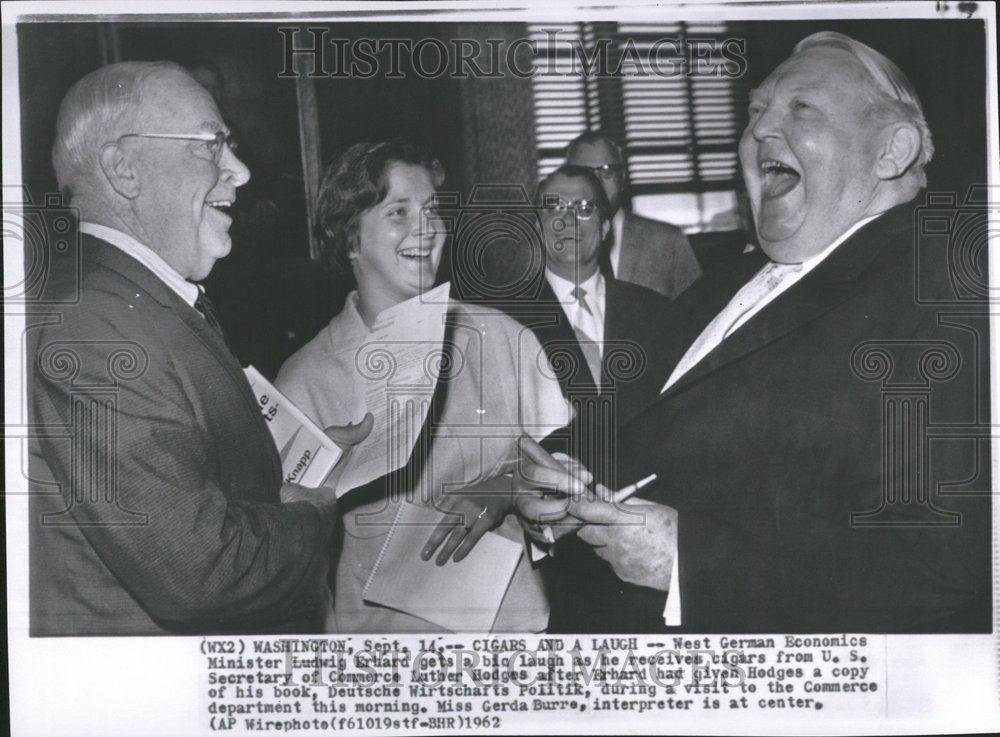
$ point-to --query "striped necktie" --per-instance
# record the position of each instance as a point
(585, 327)
(765, 282)
(204, 305)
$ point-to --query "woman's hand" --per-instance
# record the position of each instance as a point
(468, 515)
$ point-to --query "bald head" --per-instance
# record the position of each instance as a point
(891, 95)
(835, 136)
(99, 108)
(141, 147)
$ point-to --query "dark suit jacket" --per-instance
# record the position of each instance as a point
(635, 334)
(155, 506)
(657, 256)
(634, 339)
(784, 450)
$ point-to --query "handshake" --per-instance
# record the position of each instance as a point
(552, 496)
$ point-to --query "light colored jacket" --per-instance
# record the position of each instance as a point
(502, 387)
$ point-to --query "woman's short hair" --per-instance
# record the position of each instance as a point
(352, 184)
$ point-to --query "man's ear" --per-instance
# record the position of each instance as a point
(119, 171)
(900, 148)
(605, 228)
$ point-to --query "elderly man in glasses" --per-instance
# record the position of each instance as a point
(160, 504)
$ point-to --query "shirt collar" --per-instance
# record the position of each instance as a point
(188, 291)
(814, 261)
(347, 328)
(564, 288)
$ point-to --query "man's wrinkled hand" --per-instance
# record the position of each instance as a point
(638, 539)
(538, 513)
(544, 485)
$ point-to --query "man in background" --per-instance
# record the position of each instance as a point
(587, 321)
(603, 337)
(641, 251)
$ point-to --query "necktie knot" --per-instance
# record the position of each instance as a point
(777, 272)
(730, 319)
(580, 295)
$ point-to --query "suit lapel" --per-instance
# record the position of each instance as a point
(558, 338)
(632, 251)
(619, 320)
(107, 255)
(625, 255)
(828, 285)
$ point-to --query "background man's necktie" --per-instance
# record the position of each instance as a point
(204, 305)
(586, 331)
(604, 260)
(766, 281)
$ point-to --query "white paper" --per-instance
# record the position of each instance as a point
(307, 454)
(398, 365)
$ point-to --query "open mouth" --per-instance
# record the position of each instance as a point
(778, 178)
(222, 205)
(416, 254)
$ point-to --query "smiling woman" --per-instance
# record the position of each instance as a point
(376, 223)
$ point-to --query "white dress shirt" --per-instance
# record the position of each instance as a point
(788, 275)
(589, 323)
(188, 291)
(617, 227)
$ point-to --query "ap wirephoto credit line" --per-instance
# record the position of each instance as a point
(436, 368)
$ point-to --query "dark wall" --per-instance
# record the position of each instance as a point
(52, 58)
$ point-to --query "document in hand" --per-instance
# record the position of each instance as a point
(397, 364)
(462, 597)
(307, 454)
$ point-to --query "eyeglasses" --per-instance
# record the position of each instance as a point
(215, 142)
(583, 209)
(605, 171)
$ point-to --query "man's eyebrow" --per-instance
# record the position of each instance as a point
(213, 125)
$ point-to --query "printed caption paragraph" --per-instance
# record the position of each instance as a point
(349, 684)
